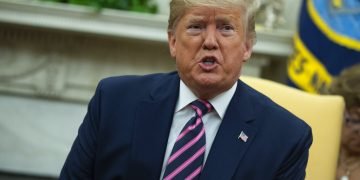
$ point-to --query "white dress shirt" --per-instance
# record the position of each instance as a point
(183, 113)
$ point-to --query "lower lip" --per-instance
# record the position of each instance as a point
(207, 67)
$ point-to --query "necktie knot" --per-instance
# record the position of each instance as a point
(201, 107)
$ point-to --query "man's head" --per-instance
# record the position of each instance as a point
(210, 40)
(179, 7)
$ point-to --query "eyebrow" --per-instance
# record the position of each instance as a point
(197, 19)
(226, 19)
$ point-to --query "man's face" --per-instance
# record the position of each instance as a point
(209, 46)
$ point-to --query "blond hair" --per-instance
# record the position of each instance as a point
(178, 8)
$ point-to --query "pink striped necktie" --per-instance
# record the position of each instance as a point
(187, 156)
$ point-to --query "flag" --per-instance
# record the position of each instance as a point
(243, 136)
(327, 41)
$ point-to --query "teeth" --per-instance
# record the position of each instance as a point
(209, 61)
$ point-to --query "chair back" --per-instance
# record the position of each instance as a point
(324, 113)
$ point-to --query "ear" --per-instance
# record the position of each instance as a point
(172, 42)
(247, 50)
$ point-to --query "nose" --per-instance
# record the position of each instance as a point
(210, 39)
(356, 129)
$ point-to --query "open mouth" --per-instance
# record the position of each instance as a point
(208, 61)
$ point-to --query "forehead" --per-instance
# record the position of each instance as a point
(206, 13)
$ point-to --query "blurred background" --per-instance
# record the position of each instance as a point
(54, 52)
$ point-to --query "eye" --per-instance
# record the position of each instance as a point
(194, 26)
(227, 29)
(194, 29)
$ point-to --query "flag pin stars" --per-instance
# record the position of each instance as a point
(243, 136)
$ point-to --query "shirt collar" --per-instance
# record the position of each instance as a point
(220, 102)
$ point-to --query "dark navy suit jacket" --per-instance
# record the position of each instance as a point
(125, 131)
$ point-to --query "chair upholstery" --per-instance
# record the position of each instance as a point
(324, 113)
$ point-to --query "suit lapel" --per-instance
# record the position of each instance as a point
(152, 126)
(227, 148)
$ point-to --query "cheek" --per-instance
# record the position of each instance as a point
(345, 134)
(234, 49)
(234, 58)
(185, 47)
(345, 137)
(350, 136)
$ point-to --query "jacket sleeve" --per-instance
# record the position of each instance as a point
(80, 161)
(295, 166)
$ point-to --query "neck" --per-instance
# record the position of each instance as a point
(349, 161)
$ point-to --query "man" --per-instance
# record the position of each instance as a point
(138, 127)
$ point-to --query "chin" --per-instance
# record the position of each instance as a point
(208, 82)
(209, 78)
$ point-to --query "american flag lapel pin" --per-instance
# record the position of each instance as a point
(243, 136)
